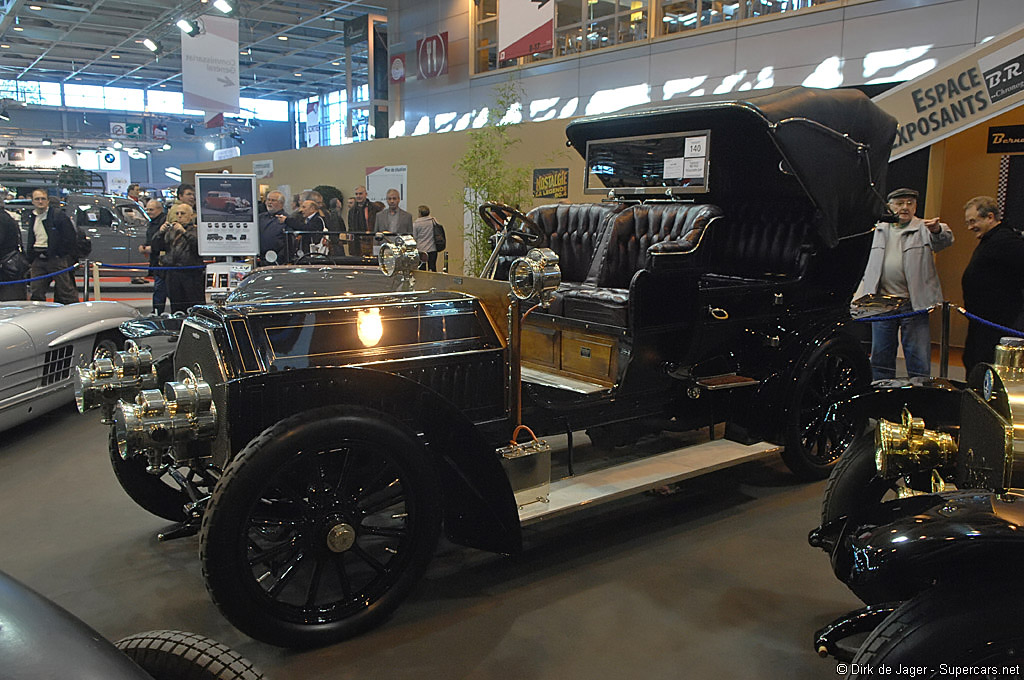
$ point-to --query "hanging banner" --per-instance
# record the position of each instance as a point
(313, 123)
(981, 84)
(209, 66)
(525, 27)
(357, 30)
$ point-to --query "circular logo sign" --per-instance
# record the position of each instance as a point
(432, 54)
(397, 69)
(109, 158)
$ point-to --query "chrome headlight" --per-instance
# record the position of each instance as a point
(108, 379)
(399, 256)
(536, 276)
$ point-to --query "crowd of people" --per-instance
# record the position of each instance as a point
(901, 261)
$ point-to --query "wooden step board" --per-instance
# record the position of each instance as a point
(582, 491)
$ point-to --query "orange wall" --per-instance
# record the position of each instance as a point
(959, 170)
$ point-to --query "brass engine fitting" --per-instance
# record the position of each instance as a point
(183, 412)
(901, 449)
(107, 380)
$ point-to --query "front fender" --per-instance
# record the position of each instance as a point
(479, 506)
(936, 400)
(930, 539)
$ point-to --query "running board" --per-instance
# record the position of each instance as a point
(585, 491)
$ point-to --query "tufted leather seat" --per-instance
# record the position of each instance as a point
(574, 232)
(635, 233)
(761, 242)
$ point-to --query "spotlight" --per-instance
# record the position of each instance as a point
(4, 116)
(161, 127)
(224, 6)
(190, 129)
(165, 147)
(47, 141)
(151, 45)
(210, 146)
(118, 146)
(188, 27)
(68, 147)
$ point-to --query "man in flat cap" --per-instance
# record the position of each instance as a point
(902, 264)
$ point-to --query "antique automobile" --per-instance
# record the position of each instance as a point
(225, 202)
(39, 639)
(43, 343)
(321, 443)
(924, 526)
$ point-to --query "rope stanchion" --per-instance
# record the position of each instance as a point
(147, 267)
(985, 322)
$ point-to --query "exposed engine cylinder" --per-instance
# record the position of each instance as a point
(109, 379)
(183, 412)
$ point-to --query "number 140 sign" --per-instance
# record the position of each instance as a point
(432, 55)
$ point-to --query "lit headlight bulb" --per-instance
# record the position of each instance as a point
(369, 326)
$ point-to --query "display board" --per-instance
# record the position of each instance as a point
(227, 214)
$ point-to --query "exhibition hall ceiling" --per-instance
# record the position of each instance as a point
(288, 49)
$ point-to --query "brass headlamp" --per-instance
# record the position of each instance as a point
(907, 447)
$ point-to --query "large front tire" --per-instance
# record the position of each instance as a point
(320, 527)
(816, 435)
(854, 485)
(975, 626)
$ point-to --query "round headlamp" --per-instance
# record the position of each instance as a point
(399, 256)
(535, 276)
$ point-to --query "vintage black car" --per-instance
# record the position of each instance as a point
(325, 441)
(923, 524)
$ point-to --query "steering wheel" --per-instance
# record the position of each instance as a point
(314, 258)
(498, 216)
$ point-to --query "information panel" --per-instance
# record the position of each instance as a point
(227, 214)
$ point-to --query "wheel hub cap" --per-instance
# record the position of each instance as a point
(341, 537)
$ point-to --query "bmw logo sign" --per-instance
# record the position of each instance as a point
(986, 385)
(109, 158)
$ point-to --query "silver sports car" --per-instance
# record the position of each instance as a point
(41, 343)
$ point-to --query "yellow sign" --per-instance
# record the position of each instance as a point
(551, 183)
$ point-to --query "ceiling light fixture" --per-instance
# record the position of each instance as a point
(18, 28)
(151, 45)
(35, 8)
(118, 146)
(237, 137)
(161, 127)
(224, 6)
(282, 37)
(188, 27)
(47, 141)
(115, 56)
(210, 146)
(165, 147)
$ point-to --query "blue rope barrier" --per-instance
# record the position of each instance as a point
(44, 276)
(985, 322)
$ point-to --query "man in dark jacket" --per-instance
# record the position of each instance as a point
(154, 245)
(361, 219)
(49, 247)
(993, 280)
(272, 226)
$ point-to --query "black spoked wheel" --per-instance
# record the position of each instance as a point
(321, 527)
(970, 626)
(161, 494)
(176, 655)
(854, 486)
(816, 435)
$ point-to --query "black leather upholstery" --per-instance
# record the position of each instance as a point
(668, 226)
(573, 232)
(761, 241)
